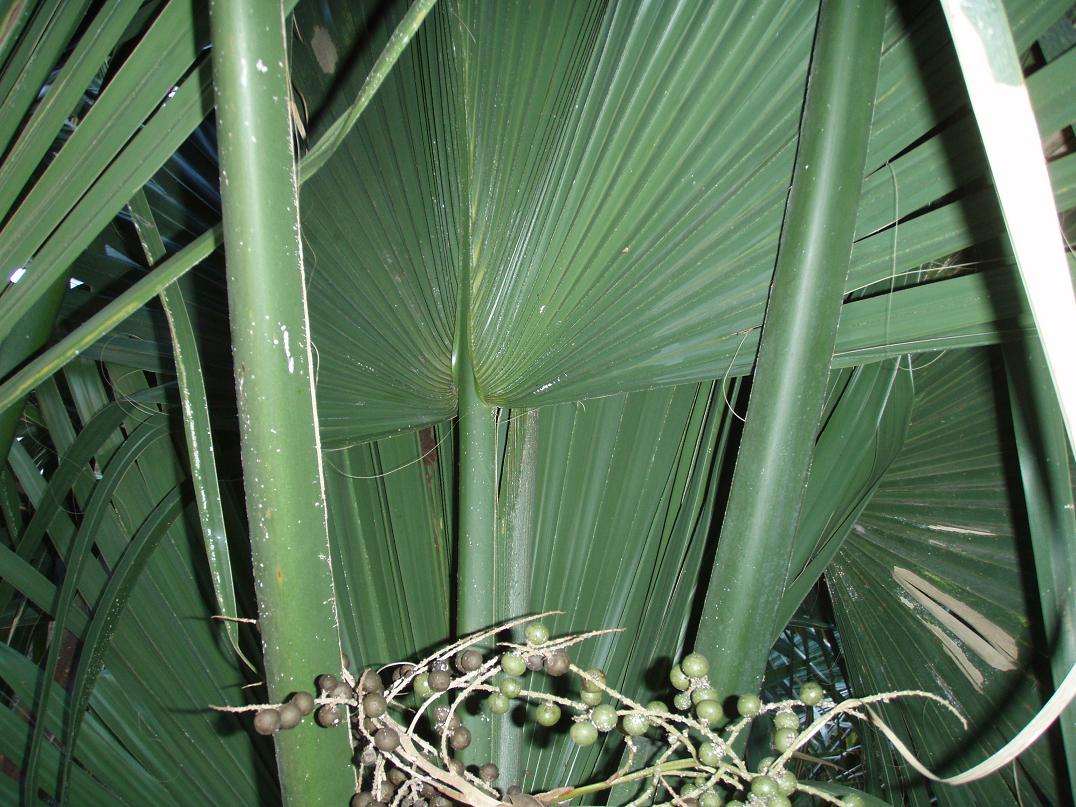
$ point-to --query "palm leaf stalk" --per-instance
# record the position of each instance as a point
(797, 342)
(1042, 449)
(476, 589)
(279, 438)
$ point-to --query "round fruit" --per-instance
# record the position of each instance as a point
(783, 739)
(460, 738)
(290, 716)
(341, 692)
(557, 663)
(488, 772)
(511, 687)
(514, 790)
(386, 791)
(370, 681)
(709, 754)
(786, 782)
(634, 725)
(361, 799)
(711, 798)
(604, 717)
(704, 694)
(327, 683)
(678, 679)
(748, 705)
(440, 680)
(422, 685)
(537, 633)
(397, 777)
(710, 711)
(786, 719)
(498, 703)
(779, 801)
(468, 660)
(328, 716)
(374, 705)
(695, 665)
(535, 661)
(657, 706)
(583, 734)
(266, 721)
(690, 801)
(456, 767)
(387, 739)
(590, 698)
(548, 714)
(304, 701)
(811, 693)
(853, 800)
(440, 801)
(766, 763)
(682, 701)
(763, 787)
(594, 681)
(513, 664)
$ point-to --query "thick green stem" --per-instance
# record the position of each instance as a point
(1042, 447)
(281, 447)
(796, 346)
(477, 564)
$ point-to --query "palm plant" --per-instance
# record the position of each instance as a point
(493, 336)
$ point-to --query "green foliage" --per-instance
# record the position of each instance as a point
(610, 180)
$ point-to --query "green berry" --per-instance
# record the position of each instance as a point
(511, 687)
(695, 665)
(682, 701)
(853, 800)
(709, 711)
(548, 714)
(766, 763)
(658, 706)
(783, 739)
(786, 719)
(537, 633)
(748, 705)
(513, 664)
(710, 754)
(764, 787)
(593, 680)
(678, 679)
(267, 721)
(704, 694)
(779, 801)
(634, 725)
(710, 798)
(786, 782)
(422, 685)
(583, 734)
(811, 693)
(604, 717)
(498, 703)
(590, 698)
